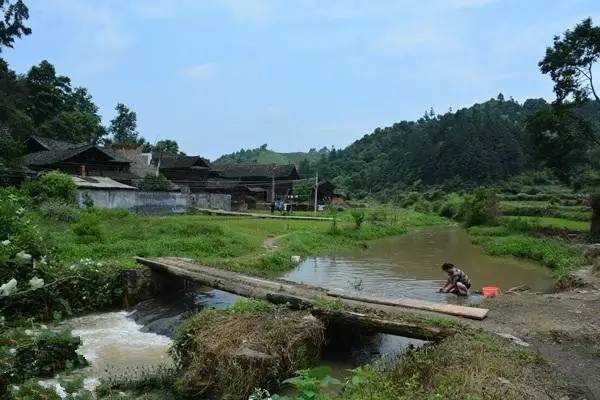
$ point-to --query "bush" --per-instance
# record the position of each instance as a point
(358, 216)
(153, 183)
(423, 206)
(480, 208)
(52, 185)
(452, 206)
(88, 228)
(28, 353)
(58, 210)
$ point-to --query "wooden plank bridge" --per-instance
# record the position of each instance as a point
(260, 215)
(401, 316)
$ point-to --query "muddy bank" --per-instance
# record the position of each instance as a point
(564, 327)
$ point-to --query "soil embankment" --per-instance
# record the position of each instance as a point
(564, 327)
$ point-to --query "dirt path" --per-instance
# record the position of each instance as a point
(564, 327)
(270, 244)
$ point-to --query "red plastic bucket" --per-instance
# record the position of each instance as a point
(490, 291)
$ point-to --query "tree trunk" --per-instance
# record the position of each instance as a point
(595, 204)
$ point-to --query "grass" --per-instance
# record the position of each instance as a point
(552, 253)
(545, 209)
(467, 366)
(230, 242)
(532, 223)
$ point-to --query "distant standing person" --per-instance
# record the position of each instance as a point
(458, 282)
(272, 207)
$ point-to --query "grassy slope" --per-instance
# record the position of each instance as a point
(231, 242)
(468, 366)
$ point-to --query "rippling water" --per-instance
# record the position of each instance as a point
(409, 266)
(114, 344)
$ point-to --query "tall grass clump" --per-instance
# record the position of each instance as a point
(359, 217)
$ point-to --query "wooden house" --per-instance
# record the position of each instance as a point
(43, 154)
(184, 171)
(261, 179)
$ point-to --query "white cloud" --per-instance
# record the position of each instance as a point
(200, 71)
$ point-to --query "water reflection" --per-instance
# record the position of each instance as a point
(409, 266)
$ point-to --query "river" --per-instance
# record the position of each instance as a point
(403, 266)
(409, 266)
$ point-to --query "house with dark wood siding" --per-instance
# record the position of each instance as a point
(261, 178)
(43, 154)
(189, 171)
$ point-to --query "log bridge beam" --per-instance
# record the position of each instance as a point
(309, 297)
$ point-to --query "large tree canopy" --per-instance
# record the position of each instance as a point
(166, 146)
(12, 26)
(571, 60)
(567, 136)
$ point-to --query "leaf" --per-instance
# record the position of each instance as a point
(319, 372)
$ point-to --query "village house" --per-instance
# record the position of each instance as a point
(43, 154)
(263, 179)
(190, 172)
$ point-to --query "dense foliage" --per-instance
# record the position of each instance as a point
(482, 143)
(305, 161)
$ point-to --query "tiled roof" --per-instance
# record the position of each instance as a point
(53, 144)
(99, 182)
(178, 161)
(48, 157)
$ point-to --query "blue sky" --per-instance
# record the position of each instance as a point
(218, 75)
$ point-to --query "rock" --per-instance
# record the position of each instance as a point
(514, 339)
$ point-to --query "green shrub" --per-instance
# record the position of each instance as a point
(358, 216)
(452, 206)
(480, 208)
(58, 210)
(423, 206)
(28, 353)
(88, 228)
(52, 185)
(153, 183)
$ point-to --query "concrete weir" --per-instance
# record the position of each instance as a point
(405, 317)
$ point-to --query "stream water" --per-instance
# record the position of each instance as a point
(117, 343)
(409, 266)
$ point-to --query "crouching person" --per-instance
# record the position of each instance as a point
(458, 282)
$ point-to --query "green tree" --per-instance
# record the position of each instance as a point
(13, 104)
(124, 126)
(73, 126)
(570, 62)
(167, 146)
(47, 92)
(12, 24)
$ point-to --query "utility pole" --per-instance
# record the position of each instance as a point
(273, 184)
(316, 189)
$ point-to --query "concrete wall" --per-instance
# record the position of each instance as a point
(213, 201)
(154, 202)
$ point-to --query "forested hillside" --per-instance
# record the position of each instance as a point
(480, 144)
(263, 155)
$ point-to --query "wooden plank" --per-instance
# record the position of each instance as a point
(450, 309)
(217, 278)
(259, 215)
(362, 321)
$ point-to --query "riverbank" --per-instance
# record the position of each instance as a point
(236, 243)
(101, 243)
